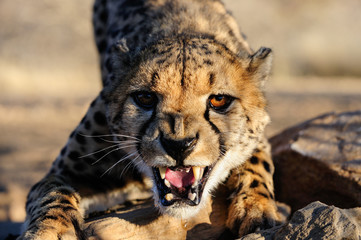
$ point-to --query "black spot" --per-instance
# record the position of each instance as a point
(87, 125)
(208, 62)
(99, 31)
(63, 151)
(254, 184)
(248, 119)
(80, 138)
(74, 155)
(103, 16)
(102, 45)
(254, 160)
(266, 166)
(250, 131)
(211, 78)
(99, 118)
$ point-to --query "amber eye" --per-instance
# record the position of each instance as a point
(220, 102)
(146, 100)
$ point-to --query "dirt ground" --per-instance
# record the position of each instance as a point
(47, 84)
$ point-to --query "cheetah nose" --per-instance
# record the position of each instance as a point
(178, 149)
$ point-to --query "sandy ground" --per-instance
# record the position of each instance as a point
(49, 76)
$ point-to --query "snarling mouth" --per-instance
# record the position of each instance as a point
(181, 184)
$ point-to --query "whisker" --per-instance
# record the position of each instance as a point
(112, 141)
(122, 159)
(110, 153)
(128, 166)
(109, 135)
(98, 151)
(120, 146)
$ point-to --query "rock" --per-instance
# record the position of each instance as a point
(316, 221)
(320, 160)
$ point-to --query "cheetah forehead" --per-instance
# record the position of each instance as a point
(187, 66)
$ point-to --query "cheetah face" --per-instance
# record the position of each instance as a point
(197, 112)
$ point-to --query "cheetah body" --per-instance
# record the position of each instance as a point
(181, 112)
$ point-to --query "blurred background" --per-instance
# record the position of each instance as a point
(49, 74)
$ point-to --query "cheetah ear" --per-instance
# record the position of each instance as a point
(260, 65)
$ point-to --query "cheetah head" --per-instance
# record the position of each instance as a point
(197, 111)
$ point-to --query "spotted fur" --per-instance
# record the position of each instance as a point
(162, 63)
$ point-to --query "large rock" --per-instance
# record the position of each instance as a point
(316, 221)
(320, 160)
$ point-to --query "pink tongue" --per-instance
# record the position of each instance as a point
(179, 178)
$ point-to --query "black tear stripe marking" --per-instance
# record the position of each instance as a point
(266, 166)
(222, 148)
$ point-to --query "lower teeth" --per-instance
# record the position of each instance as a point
(192, 196)
(169, 197)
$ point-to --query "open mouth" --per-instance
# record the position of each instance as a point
(181, 184)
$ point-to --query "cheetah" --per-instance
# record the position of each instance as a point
(181, 114)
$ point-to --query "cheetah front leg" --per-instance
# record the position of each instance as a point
(91, 165)
(252, 200)
(53, 211)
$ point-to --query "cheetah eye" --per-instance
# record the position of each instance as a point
(146, 100)
(220, 103)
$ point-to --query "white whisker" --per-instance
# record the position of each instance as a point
(101, 150)
(109, 135)
(128, 166)
(111, 152)
(119, 141)
(122, 159)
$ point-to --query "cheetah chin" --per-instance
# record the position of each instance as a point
(181, 184)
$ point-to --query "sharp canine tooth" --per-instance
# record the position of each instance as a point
(167, 183)
(162, 172)
(169, 197)
(192, 196)
(201, 171)
(196, 172)
(187, 170)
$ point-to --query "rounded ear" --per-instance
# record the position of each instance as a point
(260, 65)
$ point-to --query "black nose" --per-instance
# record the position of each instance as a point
(178, 149)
